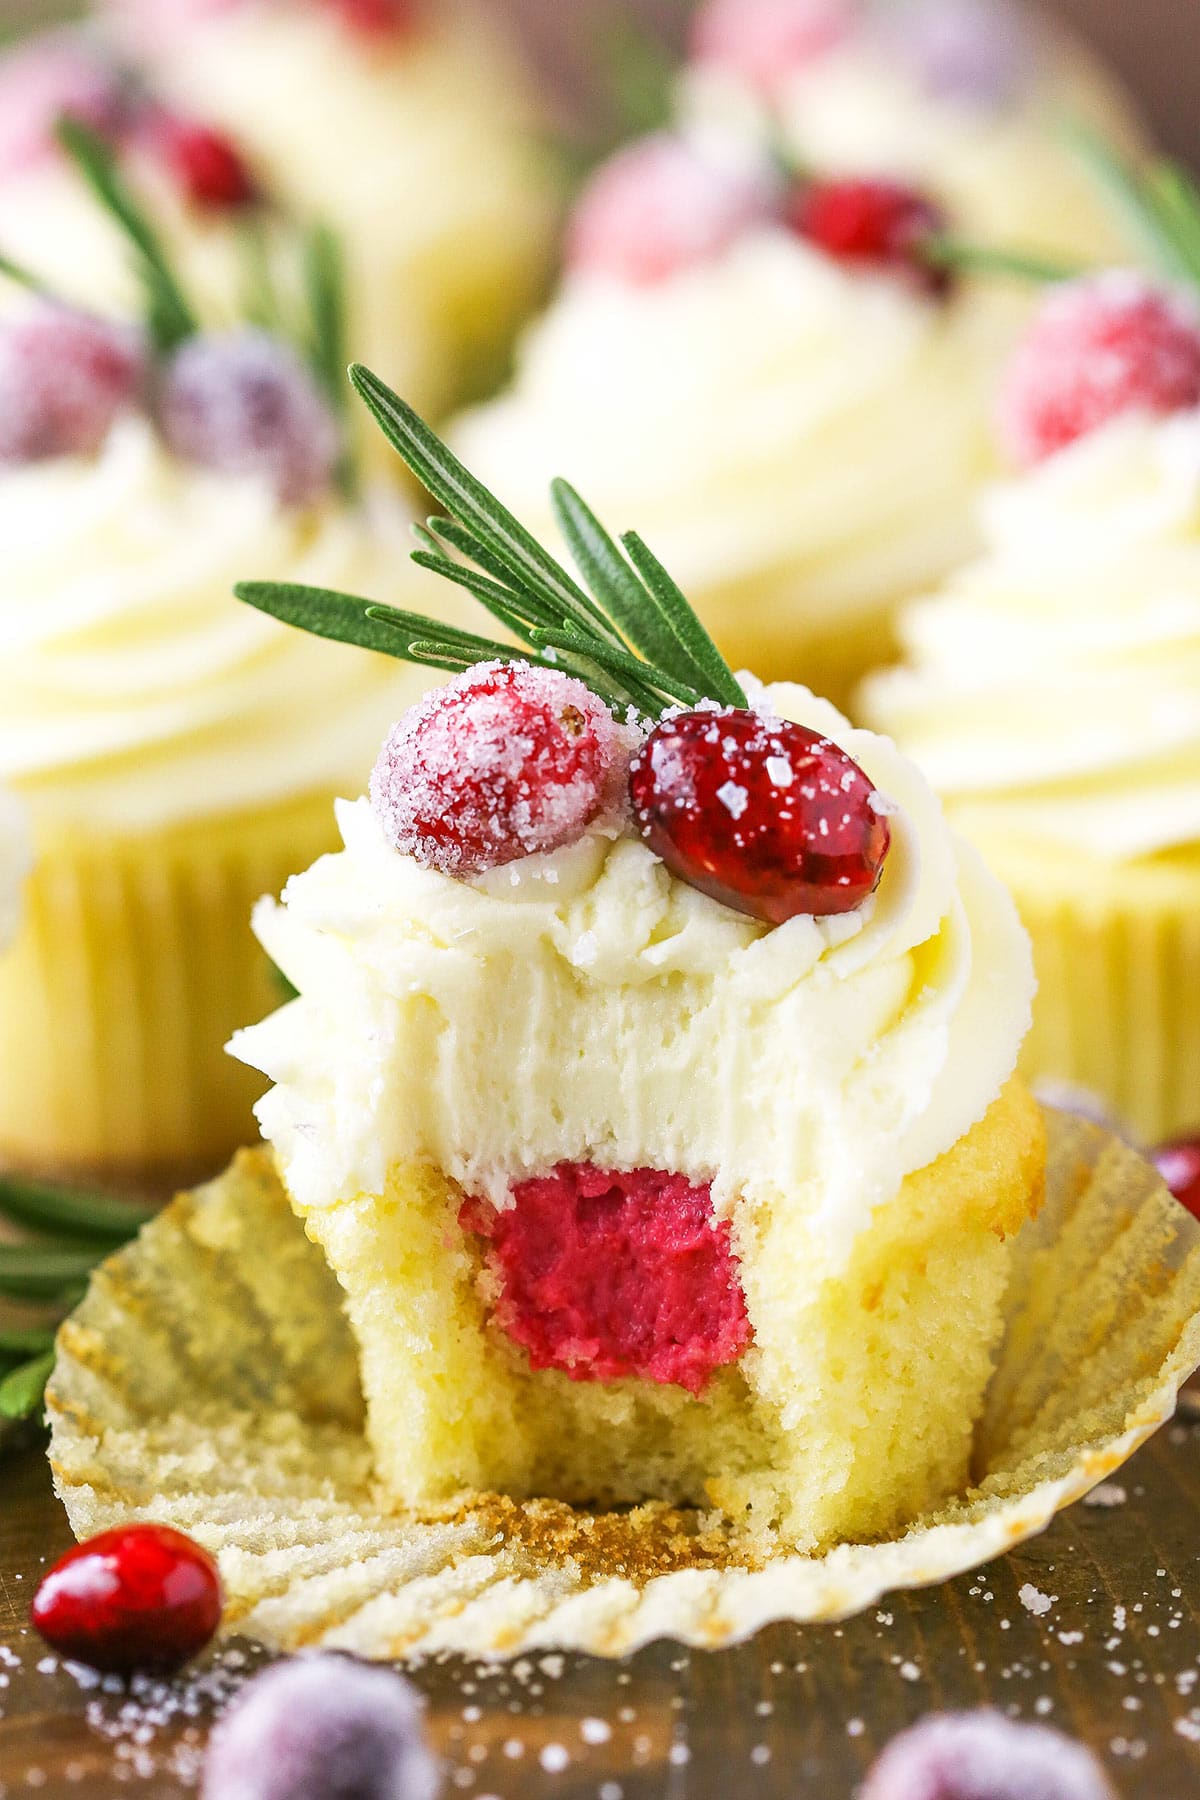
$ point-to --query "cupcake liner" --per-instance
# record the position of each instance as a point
(209, 1380)
(133, 965)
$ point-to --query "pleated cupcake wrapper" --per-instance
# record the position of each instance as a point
(1117, 1009)
(134, 964)
(209, 1380)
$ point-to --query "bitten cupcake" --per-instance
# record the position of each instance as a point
(1052, 691)
(407, 121)
(650, 1085)
(175, 753)
(965, 98)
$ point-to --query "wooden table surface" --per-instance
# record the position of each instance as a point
(1094, 1627)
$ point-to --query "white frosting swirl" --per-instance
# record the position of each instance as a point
(587, 1005)
(134, 690)
(1053, 688)
(786, 434)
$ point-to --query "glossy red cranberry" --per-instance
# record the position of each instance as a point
(142, 1598)
(206, 166)
(1179, 1165)
(373, 19)
(768, 817)
(869, 223)
(1098, 348)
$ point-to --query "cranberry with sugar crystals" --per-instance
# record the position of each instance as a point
(373, 20)
(321, 1728)
(1179, 1165)
(506, 760)
(768, 817)
(57, 74)
(867, 222)
(663, 205)
(765, 41)
(1100, 347)
(984, 1756)
(206, 166)
(140, 1598)
(65, 377)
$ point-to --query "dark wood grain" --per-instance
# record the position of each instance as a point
(797, 1712)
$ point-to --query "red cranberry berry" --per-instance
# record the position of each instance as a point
(768, 817)
(57, 74)
(869, 223)
(765, 41)
(321, 1728)
(245, 404)
(1179, 1165)
(205, 165)
(1098, 348)
(373, 20)
(505, 761)
(604, 1275)
(65, 377)
(143, 1598)
(984, 1756)
(662, 205)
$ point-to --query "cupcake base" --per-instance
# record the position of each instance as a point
(209, 1381)
(134, 964)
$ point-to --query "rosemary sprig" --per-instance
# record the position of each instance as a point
(628, 632)
(946, 251)
(325, 291)
(1160, 204)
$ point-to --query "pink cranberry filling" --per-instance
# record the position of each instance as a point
(604, 1275)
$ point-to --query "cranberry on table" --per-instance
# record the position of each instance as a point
(1112, 344)
(507, 760)
(205, 165)
(1179, 1165)
(984, 1756)
(65, 378)
(868, 223)
(765, 41)
(322, 1728)
(768, 817)
(140, 1599)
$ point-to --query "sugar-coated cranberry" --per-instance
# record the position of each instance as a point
(244, 404)
(142, 1598)
(506, 760)
(866, 222)
(56, 74)
(984, 1756)
(662, 205)
(766, 816)
(373, 20)
(977, 52)
(1098, 348)
(65, 377)
(205, 165)
(765, 41)
(321, 1728)
(1179, 1165)
(605, 1275)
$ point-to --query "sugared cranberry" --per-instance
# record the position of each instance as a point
(870, 223)
(373, 20)
(765, 41)
(663, 205)
(65, 377)
(54, 75)
(246, 405)
(505, 761)
(1098, 348)
(143, 1598)
(1179, 1165)
(768, 817)
(977, 52)
(321, 1728)
(984, 1756)
(604, 1275)
(205, 165)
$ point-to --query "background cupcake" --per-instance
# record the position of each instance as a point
(14, 863)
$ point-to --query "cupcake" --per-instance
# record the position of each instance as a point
(1052, 691)
(650, 1085)
(14, 864)
(407, 121)
(965, 98)
(175, 754)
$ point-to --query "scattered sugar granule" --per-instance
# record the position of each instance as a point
(595, 1731)
(555, 1758)
(1033, 1600)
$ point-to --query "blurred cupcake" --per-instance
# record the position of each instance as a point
(1052, 691)
(407, 121)
(177, 755)
(14, 864)
(966, 98)
(774, 378)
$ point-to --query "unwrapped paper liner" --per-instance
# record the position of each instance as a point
(209, 1381)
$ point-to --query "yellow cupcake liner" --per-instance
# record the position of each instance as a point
(209, 1380)
(134, 963)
